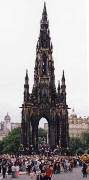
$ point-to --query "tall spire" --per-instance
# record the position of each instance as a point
(63, 79)
(44, 10)
(26, 77)
(44, 37)
(26, 87)
(63, 89)
(63, 86)
(44, 14)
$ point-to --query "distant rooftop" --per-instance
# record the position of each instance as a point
(7, 117)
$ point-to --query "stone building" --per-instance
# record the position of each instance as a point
(77, 125)
(46, 126)
(7, 123)
(45, 101)
(6, 126)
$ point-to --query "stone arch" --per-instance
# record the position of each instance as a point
(32, 123)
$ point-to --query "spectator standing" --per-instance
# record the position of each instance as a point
(48, 173)
(84, 170)
(13, 171)
(4, 168)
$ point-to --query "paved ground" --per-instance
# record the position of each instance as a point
(75, 175)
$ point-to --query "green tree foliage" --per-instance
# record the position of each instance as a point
(85, 138)
(87, 151)
(1, 147)
(80, 144)
(42, 133)
(75, 143)
(11, 143)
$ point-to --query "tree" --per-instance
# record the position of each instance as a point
(42, 133)
(1, 147)
(75, 143)
(11, 143)
(85, 138)
(87, 151)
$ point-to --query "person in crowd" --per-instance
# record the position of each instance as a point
(48, 173)
(84, 170)
(38, 174)
(4, 169)
(0, 164)
(9, 164)
(13, 171)
(17, 170)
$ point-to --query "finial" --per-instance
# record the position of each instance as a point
(63, 76)
(63, 72)
(26, 75)
(26, 71)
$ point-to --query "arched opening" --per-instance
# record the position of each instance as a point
(43, 131)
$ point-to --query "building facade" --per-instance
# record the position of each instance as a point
(77, 125)
(6, 126)
(45, 101)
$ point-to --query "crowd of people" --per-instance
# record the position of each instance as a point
(40, 164)
(37, 166)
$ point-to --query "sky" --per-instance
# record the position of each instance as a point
(19, 32)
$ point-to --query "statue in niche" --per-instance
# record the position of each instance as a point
(44, 92)
(44, 64)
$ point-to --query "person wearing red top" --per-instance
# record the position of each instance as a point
(48, 173)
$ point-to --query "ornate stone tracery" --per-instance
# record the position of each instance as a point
(45, 101)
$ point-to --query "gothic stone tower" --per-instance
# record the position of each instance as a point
(45, 101)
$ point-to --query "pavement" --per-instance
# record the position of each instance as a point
(76, 174)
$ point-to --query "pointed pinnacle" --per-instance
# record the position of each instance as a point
(44, 14)
(27, 71)
(26, 74)
(63, 76)
(44, 10)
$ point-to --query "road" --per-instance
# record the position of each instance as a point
(76, 174)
